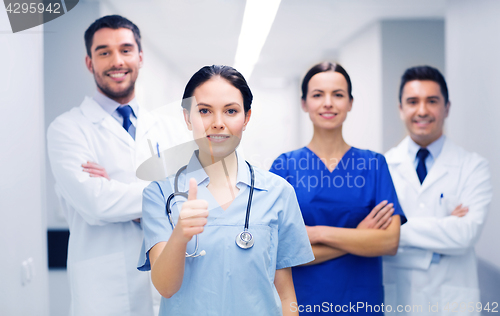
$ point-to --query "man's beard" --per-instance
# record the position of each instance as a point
(115, 95)
(112, 94)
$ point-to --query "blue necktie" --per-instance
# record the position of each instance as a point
(421, 169)
(422, 173)
(125, 112)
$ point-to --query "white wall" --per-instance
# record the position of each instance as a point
(67, 80)
(362, 59)
(22, 189)
(276, 105)
(472, 48)
(375, 59)
(405, 43)
(160, 82)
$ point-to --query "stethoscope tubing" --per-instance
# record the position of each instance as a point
(250, 195)
(176, 192)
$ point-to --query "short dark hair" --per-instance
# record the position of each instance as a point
(424, 73)
(230, 74)
(324, 67)
(112, 22)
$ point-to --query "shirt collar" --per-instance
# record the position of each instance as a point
(434, 148)
(243, 175)
(195, 170)
(109, 105)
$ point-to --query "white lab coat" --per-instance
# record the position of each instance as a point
(104, 242)
(410, 277)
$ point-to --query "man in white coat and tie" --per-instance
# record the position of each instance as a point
(95, 150)
(445, 192)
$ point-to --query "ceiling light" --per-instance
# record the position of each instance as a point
(257, 21)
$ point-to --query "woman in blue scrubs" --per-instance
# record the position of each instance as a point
(222, 278)
(348, 203)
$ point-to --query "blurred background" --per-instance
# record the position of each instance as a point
(43, 75)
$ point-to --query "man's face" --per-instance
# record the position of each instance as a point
(115, 63)
(423, 111)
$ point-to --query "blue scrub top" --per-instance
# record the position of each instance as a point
(342, 198)
(229, 280)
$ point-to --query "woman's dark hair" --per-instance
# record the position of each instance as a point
(324, 67)
(208, 72)
(424, 73)
(112, 22)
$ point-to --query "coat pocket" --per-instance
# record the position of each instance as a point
(99, 286)
(457, 300)
(390, 295)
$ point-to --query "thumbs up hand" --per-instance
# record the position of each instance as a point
(193, 215)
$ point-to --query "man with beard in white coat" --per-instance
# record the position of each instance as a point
(95, 150)
(445, 193)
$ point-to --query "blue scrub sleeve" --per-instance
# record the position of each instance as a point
(279, 166)
(385, 188)
(155, 224)
(294, 247)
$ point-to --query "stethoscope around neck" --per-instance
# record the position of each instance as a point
(244, 240)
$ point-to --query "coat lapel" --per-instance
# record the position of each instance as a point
(446, 160)
(145, 121)
(96, 114)
(404, 165)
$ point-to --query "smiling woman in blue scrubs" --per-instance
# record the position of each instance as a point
(348, 202)
(227, 280)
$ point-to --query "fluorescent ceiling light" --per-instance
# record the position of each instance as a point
(257, 21)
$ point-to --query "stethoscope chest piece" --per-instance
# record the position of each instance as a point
(244, 240)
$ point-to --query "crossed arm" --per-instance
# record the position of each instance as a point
(98, 199)
(376, 235)
(361, 242)
(458, 232)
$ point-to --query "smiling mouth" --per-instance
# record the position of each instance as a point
(217, 138)
(423, 122)
(328, 115)
(117, 75)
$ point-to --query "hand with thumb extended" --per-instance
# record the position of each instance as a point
(193, 215)
(193, 190)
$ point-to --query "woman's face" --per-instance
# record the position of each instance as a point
(327, 100)
(217, 117)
